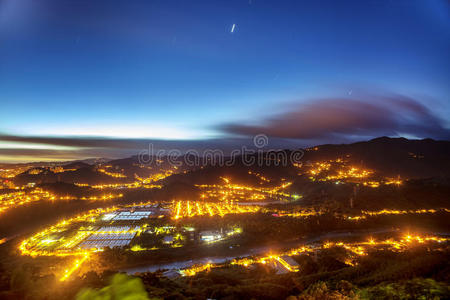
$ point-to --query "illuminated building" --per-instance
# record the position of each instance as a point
(168, 239)
(210, 236)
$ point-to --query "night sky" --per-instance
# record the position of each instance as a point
(103, 78)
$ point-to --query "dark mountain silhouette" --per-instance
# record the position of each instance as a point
(77, 165)
(83, 175)
(409, 159)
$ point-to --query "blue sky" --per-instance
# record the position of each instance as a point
(174, 70)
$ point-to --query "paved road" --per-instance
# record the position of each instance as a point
(254, 251)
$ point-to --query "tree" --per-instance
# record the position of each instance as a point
(122, 287)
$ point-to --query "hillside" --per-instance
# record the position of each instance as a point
(391, 156)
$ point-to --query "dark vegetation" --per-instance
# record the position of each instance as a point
(417, 273)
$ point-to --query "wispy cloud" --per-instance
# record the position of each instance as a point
(36, 148)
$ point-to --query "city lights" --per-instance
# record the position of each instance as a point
(340, 171)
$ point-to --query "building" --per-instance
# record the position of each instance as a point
(289, 263)
(168, 239)
(210, 235)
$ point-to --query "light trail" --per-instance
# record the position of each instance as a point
(177, 215)
(16, 199)
(236, 192)
(355, 217)
(187, 209)
(76, 265)
(209, 210)
(199, 210)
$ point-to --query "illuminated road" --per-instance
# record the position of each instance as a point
(259, 251)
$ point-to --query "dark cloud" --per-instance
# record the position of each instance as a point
(349, 119)
(105, 144)
(23, 154)
(84, 142)
(84, 147)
